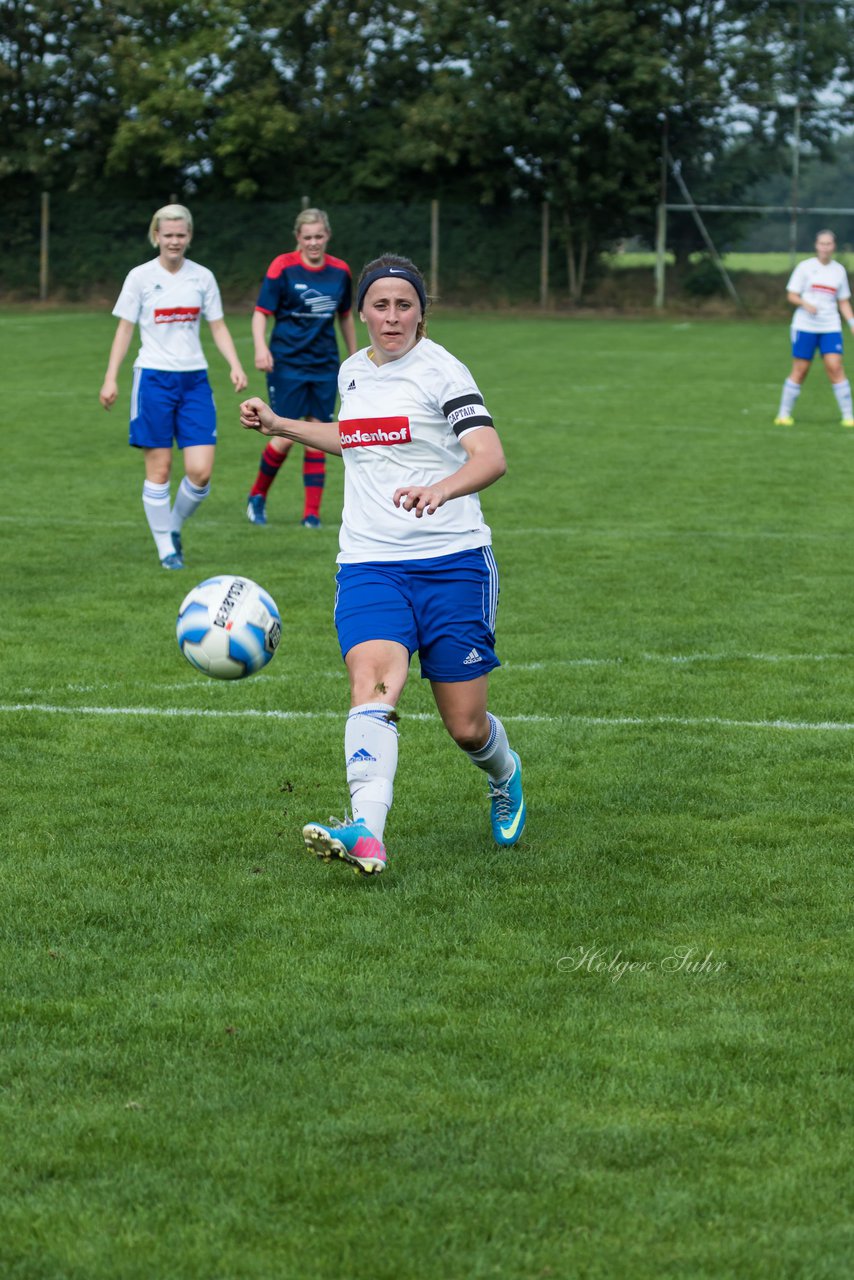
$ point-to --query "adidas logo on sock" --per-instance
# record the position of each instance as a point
(352, 386)
(361, 757)
(474, 656)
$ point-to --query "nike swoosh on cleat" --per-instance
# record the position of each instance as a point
(509, 832)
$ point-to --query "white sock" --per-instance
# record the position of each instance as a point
(155, 502)
(370, 749)
(791, 391)
(187, 500)
(494, 756)
(842, 391)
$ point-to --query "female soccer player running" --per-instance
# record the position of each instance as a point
(818, 289)
(171, 396)
(416, 569)
(303, 291)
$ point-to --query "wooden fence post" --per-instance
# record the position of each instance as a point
(544, 255)
(434, 248)
(44, 252)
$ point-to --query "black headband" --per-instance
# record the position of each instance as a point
(396, 273)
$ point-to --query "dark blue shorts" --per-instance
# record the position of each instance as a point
(443, 607)
(171, 406)
(804, 344)
(292, 397)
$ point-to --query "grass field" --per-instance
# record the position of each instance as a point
(618, 1051)
(761, 263)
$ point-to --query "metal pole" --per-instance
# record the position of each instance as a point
(44, 252)
(796, 140)
(707, 239)
(544, 255)
(434, 248)
(796, 164)
(660, 249)
(661, 223)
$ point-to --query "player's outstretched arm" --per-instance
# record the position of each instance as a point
(255, 415)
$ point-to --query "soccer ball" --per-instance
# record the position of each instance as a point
(228, 627)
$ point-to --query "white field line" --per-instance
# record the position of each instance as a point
(664, 659)
(679, 659)
(686, 722)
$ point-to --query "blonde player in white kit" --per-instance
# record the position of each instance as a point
(171, 397)
(818, 289)
(415, 566)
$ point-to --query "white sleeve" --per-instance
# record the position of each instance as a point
(459, 398)
(129, 303)
(797, 280)
(844, 289)
(211, 300)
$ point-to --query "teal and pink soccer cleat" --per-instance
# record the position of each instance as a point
(350, 841)
(508, 806)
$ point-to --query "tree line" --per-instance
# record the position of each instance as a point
(487, 101)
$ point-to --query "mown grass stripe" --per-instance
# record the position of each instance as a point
(686, 722)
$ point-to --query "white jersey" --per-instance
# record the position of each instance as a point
(822, 285)
(401, 423)
(168, 308)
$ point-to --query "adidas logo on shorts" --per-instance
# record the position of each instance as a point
(474, 656)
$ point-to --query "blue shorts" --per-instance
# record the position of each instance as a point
(804, 344)
(292, 397)
(444, 608)
(171, 406)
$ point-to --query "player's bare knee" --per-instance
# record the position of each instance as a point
(467, 732)
(373, 687)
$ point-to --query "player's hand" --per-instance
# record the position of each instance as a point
(255, 415)
(808, 306)
(420, 498)
(264, 359)
(109, 393)
(239, 379)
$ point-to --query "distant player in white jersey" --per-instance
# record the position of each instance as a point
(415, 567)
(171, 397)
(818, 289)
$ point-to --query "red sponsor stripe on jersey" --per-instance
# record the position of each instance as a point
(355, 433)
(825, 288)
(172, 315)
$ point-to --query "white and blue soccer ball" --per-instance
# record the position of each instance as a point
(228, 627)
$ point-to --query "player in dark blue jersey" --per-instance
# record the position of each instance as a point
(303, 292)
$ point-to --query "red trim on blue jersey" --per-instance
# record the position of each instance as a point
(295, 259)
(282, 262)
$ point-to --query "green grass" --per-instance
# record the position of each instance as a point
(224, 1061)
(761, 263)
